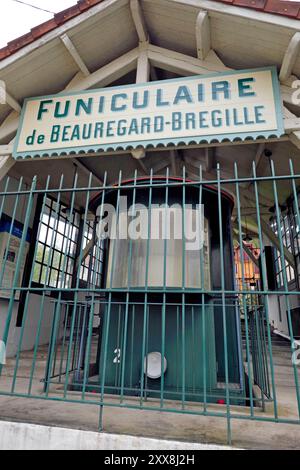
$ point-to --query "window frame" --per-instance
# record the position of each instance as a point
(67, 242)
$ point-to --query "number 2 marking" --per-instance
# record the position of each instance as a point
(117, 358)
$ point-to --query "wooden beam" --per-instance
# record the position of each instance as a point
(290, 58)
(192, 171)
(153, 74)
(259, 153)
(209, 157)
(180, 63)
(85, 252)
(294, 135)
(295, 139)
(102, 77)
(75, 54)
(195, 163)
(143, 167)
(287, 92)
(6, 163)
(246, 248)
(203, 35)
(185, 65)
(213, 58)
(138, 153)
(160, 166)
(110, 72)
(257, 159)
(87, 171)
(249, 194)
(240, 15)
(11, 101)
(76, 80)
(9, 126)
(269, 233)
(139, 20)
(143, 65)
(6, 150)
(273, 239)
(142, 76)
(291, 125)
(101, 10)
(175, 160)
(250, 254)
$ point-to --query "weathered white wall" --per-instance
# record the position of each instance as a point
(31, 324)
(32, 320)
(278, 311)
(274, 313)
(34, 300)
(19, 436)
(10, 348)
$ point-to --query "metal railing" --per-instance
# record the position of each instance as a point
(177, 345)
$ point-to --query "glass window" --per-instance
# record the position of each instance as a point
(168, 256)
(55, 255)
(290, 239)
(92, 266)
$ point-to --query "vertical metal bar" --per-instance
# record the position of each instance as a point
(193, 350)
(146, 293)
(108, 314)
(80, 325)
(130, 241)
(178, 355)
(183, 288)
(147, 350)
(118, 345)
(260, 356)
(239, 220)
(265, 287)
(41, 312)
(124, 354)
(100, 425)
(63, 275)
(62, 354)
(116, 228)
(202, 282)
(163, 318)
(25, 314)
(91, 312)
(223, 303)
(106, 334)
(132, 343)
(101, 241)
(51, 346)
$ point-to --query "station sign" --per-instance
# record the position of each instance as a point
(200, 109)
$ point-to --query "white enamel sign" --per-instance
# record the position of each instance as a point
(198, 109)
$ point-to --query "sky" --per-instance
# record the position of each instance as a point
(17, 19)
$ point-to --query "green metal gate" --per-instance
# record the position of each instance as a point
(58, 301)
